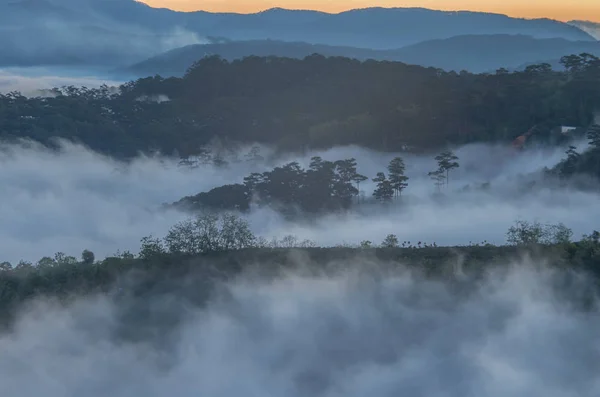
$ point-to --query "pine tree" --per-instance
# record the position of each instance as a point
(447, 161)
(396, 170)
(438, 178)
(384, 190)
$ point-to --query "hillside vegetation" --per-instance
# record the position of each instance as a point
(195, 256)
(316, 102)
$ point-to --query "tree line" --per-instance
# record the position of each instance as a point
(209, 233)
(325, 186)
(312, 103)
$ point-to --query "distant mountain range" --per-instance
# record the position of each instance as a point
(121, 32)
(475, 53)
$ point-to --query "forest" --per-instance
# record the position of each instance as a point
(210, 248)
(313, 103)
(325, 187)
(329, 186)
(301, 105)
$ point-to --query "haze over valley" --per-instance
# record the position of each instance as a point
(296, 203)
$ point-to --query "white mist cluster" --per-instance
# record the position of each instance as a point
(354, 334)
(74, 200)
(153, 98)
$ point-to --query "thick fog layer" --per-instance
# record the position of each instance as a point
(76, 200)
(349, 335)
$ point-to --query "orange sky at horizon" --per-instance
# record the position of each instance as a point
(555, 9)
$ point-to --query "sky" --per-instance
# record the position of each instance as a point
(555, 9)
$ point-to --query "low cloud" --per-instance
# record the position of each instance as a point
(356, 333)
(75, 199)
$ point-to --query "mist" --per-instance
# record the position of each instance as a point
(91, 33)
(75, 199)
(39, 81)
(362, 331)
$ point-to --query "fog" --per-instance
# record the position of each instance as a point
(357, 333)
(65, 32)
(74, 199)
(38, 81)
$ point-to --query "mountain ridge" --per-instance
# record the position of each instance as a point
(510, 51)
(137, 31)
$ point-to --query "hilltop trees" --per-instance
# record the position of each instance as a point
(209, 233)
(323, 186)
(293, 104)
(528, 233)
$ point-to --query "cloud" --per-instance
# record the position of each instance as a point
(361, 332)
(592, 28)
(75, 200)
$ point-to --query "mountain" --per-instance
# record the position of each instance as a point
(121, 32)
(481, 53)
(86, 32)
(591, 28)
(177, 61)
(475, 53)
(376, 28)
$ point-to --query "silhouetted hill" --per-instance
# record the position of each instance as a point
(121, 32)
(376, 28)
(490, 52)
(473, 53)
(177, 61)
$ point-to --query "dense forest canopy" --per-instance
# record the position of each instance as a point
(316, 102)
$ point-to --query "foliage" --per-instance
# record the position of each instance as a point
(384, 190)
(447, 161)
(324, 186)
(391, 241)
(315, 102)
(586, 163)
(527, 233)
(209, 233)
(398, 179)
(87, 257)
(158, 273)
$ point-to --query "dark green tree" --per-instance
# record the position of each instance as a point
(396, 170)
(384, 191)
(87, 257)
(447, 161)
(391, 241)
